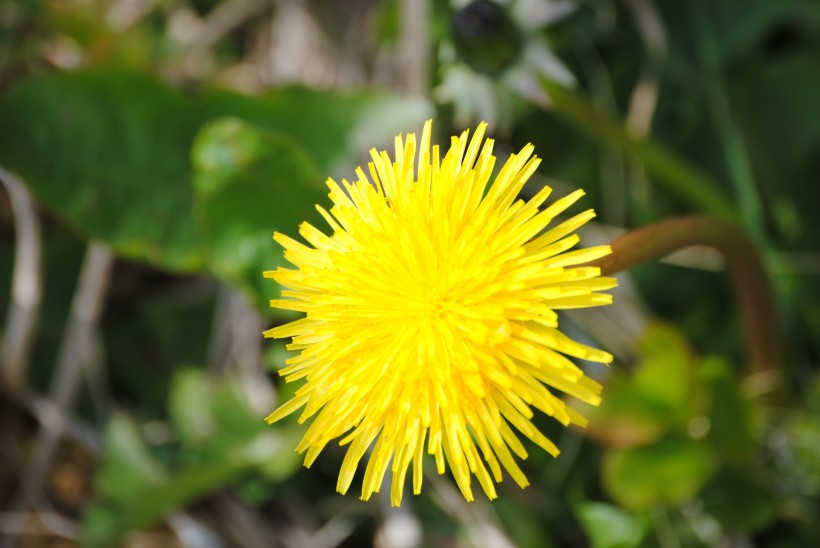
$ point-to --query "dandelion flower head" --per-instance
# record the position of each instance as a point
(430, 316)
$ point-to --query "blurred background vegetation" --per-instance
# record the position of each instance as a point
(149, 148)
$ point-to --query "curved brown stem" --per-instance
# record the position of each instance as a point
(750, 281)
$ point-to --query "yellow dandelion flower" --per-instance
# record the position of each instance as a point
(430, 320)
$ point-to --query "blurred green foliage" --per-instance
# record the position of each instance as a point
(124, 136)
(217, 439)
(130, 183)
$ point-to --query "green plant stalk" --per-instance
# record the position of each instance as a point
(668, 169)
(750, 281)
(737, 157)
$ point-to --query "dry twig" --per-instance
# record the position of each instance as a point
(74, 352)
(26, 286)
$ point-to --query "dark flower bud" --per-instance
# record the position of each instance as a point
(485, 37)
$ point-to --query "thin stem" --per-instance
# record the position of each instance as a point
(749, 279)
(669, 170)
(26, 285)
(717, 100)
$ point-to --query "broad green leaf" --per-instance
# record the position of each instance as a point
(214, 422)
(106, 523)
(607, 526)
(671, 471)
(279, 462)
(189, 407)
(221, 439)
(666, 373)
(211, 415)
(248, 180)
(336, 130)
(266, 174)
(108, 153)
(660, 395)
(129, 469)
(235, 424)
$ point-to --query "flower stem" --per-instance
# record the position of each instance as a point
(750, 281)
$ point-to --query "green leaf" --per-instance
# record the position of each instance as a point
(221, 439)
(660, 395)
(189, 407)
(215, 423)
(335, 129)
(626, 417)
(106, 522)
(108, 153)
(730, 419)
(671, 471)
(666, 373)
(611, 527)
(211, 415)
(249, 182)
(129, 466)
